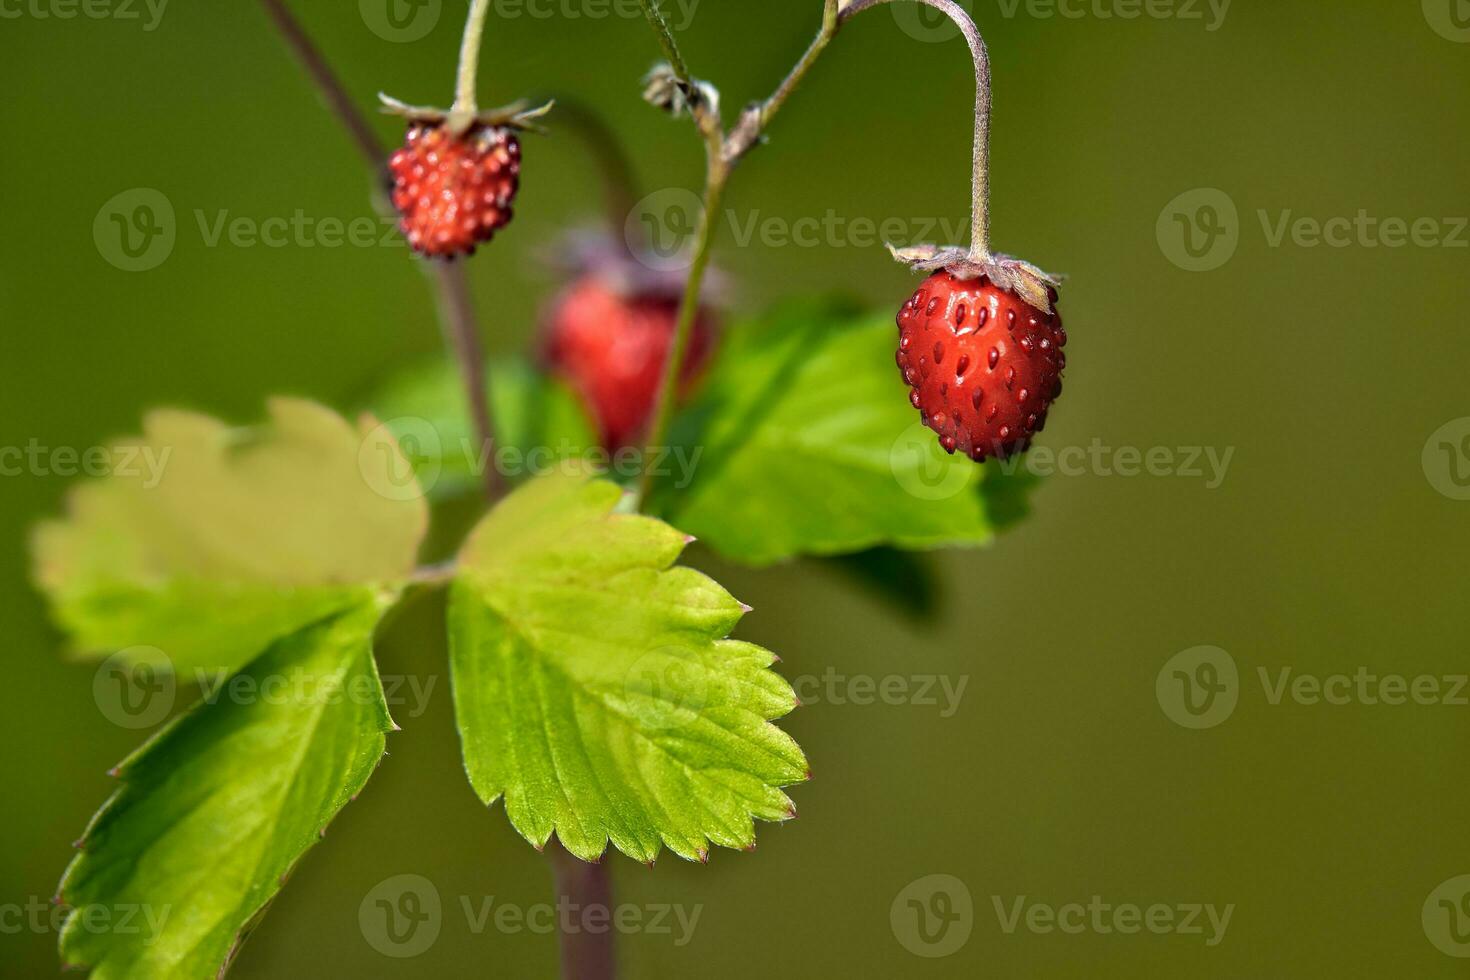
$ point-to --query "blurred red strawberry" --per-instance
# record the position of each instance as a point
(608, 335)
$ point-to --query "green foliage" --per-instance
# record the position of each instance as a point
(809, 447)
(425, 408)
(595, 689)
(906, 580)
(236, 538)
(215, 810)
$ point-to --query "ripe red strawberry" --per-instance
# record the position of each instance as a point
(609, 342)
(984, 365)
(454, 192)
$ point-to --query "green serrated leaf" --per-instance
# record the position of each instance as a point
(235, 537)
(809, 446)
(425, 408)
(595, 689)
(215, 810)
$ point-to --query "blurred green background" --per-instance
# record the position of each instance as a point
(1327, 548)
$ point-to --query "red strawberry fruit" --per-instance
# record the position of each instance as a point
(609, 340)
(984, 364)
(454, 192)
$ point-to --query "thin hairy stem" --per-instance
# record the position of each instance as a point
(705, 113)
(980, 204)
(462, 113)
(666, 41)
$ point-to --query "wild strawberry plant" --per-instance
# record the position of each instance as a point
(597, 689)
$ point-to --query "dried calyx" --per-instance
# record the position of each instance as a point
(663, 89)
(520, 115)
(1037, 287)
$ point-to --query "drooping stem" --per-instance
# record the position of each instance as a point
(725, 151)
(980, 213)
(666, 40)
(465, 107)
